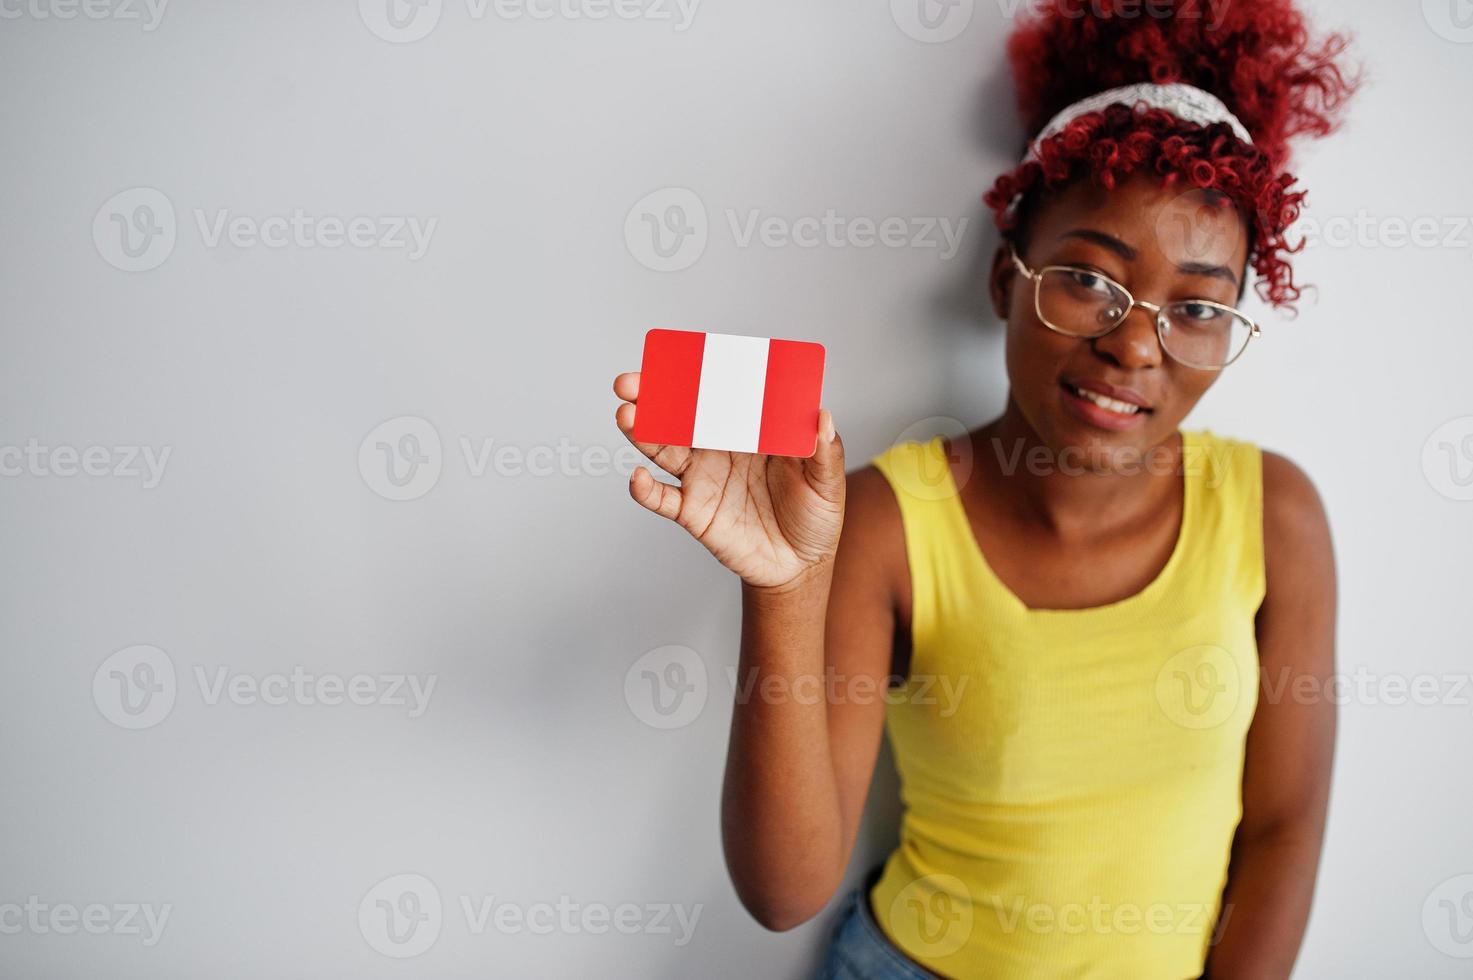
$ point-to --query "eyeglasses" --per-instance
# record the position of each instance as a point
(1080, 302)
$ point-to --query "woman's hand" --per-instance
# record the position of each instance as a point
(770, 519)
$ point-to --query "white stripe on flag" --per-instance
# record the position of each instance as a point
(729, 405)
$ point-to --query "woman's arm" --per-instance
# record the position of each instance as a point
(815, 658)
(819, 554)
(1286, 781)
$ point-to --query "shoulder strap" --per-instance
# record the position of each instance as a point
(1228, 475)
(939, 544)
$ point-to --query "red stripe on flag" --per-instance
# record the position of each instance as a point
(791, 400)
(669, 381)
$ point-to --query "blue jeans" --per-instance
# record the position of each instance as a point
(858, 950)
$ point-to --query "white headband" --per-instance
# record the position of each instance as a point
(1186, 102)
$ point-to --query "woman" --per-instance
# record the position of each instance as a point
(1074, 603)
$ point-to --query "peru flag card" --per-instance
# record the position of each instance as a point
(719, 391)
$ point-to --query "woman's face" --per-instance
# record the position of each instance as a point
(1162, 245)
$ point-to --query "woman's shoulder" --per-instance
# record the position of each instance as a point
(1298, 550)
(1287, 492)
(1296, 529)
(874, 534)
(1295, 525)
(872, 517)
(1286, 486)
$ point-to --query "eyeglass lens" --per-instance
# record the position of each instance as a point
(1085, 304)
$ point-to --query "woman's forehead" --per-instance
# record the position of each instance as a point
(1147, 218)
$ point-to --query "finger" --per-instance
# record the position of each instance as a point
(825, 468)
(626, 386)
(671, 459)
(653, 495)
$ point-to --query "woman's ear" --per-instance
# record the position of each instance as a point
(1001, 280)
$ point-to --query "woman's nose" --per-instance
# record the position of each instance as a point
(1134, 343)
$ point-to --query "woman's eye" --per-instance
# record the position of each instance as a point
(1090, 281)
(1198, 311)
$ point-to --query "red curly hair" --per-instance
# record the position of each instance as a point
(1259, 59)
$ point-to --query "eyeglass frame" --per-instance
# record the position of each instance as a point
(1159, 312)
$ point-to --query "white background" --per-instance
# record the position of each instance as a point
(269, 544)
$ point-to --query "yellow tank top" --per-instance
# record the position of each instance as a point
(1072, 779)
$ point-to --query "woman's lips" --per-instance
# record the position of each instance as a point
(1087, 407)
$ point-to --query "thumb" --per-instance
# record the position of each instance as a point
(824, 470)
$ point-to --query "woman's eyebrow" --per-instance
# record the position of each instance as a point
(1128, 253)
(1207, 269)
(1101, 238)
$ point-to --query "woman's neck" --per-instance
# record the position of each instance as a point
(1063, 491)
